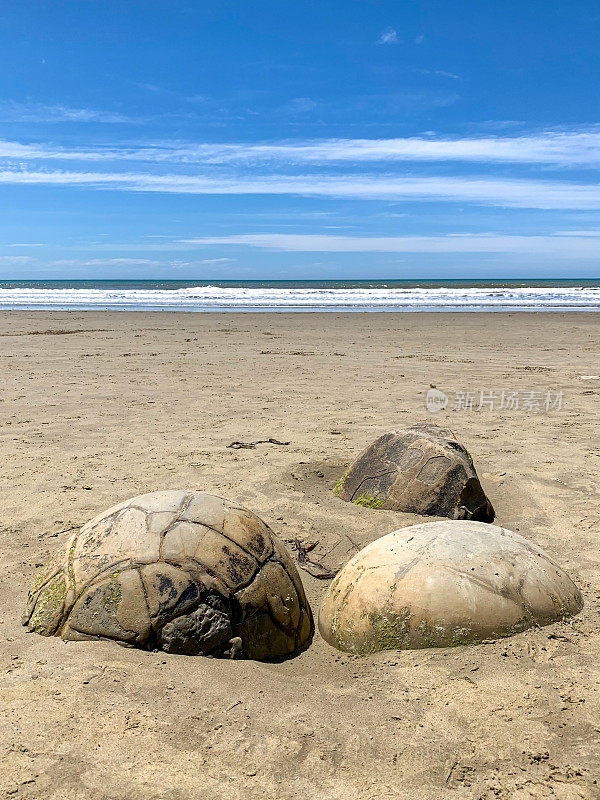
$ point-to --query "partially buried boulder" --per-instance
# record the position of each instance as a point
(441, 584)
(180, 571)
(421, 470)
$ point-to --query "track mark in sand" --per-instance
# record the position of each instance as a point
(58, 332)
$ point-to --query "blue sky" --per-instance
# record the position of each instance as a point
(241, 140)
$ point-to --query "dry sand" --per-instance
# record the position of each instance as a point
(97, 407)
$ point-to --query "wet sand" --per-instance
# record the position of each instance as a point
(97, 407)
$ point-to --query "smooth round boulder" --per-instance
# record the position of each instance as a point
(181, 571)
(420, 470)
(442, 584)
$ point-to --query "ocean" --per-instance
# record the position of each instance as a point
(366, 295)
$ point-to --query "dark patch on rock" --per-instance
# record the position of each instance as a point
(169, 592)
(183, 601)
(237, 564)
(201, 632)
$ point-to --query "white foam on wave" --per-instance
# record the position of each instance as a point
(206, 298)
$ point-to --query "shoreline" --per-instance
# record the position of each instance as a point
(362, 310)
(299, 312)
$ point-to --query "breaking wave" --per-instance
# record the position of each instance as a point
(321, 298)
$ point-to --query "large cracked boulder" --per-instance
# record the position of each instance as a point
(421, 470)
(442, 584)
(184, 572)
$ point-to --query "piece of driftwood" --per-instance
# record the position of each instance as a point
(252, 445)
(314, 568)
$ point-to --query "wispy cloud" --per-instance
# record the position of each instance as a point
(215, 260)
(15, 260)
(326, 168)
(300, 105)
(439, 73)
(551, 245)
(560, 245)
(119, 263)
(389, 36)
(593, 232)
(102, 262)
(203, 262)
(560, 149)
(153, 88)
(38, 112)
(508, 193)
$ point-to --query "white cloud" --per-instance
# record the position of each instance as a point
(389, 36)
(593, 232)
(563, 149)
(176, 264)
(300, 105)
(102, 262)
(557, 245)
(548, 245)
(440, 73)
(38, 112)
(507, 193)
(16, 260)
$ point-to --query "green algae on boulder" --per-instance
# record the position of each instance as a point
(443, 584)
(422, 470)
(185, 572)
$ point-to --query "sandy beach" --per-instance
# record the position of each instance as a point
(101, 406)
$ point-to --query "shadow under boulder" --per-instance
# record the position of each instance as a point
(421, 470)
